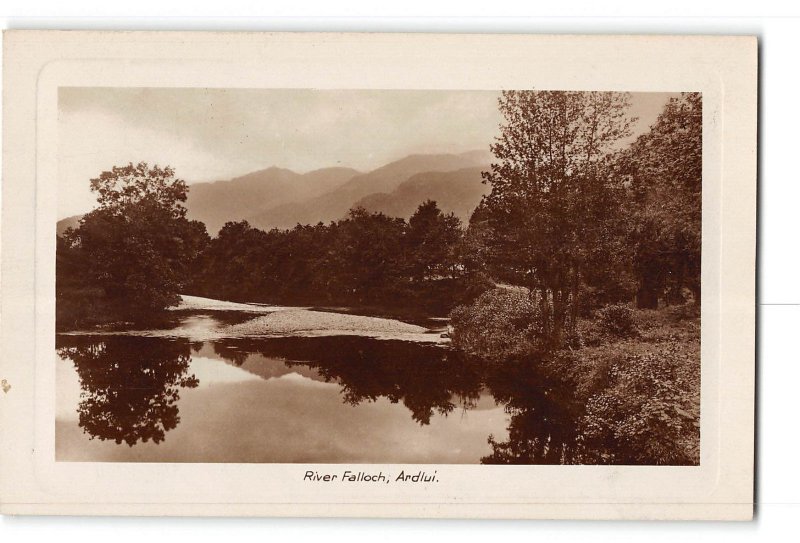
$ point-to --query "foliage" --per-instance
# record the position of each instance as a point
(366, 257)
(617, 320)
(663, 173)
(551, 194)
(633, 399)
(137, 250)
(431, 238)
(362, 259)
(649, 413)
(501, 323)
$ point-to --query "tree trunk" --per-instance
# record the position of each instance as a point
(574, 303)
(559, 317)
(647, 296)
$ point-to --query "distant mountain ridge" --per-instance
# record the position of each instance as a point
(336, 203)
(459, 191)
(280, 198)
(218, 202)
(68, 222)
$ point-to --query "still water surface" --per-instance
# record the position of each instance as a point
(333, 399)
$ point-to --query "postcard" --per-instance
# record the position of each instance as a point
(406, 275)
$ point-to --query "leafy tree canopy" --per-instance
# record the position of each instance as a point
(137, 247)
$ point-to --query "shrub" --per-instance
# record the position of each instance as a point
(649, 413)
(499, 324)
(617, 320)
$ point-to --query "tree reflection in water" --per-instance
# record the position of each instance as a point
(543, 413)
(129, 385)
(425, 378)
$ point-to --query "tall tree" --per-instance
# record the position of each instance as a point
(137, 247)
(550, 194)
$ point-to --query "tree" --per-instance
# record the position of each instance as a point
(431, 238)
(473, 250)
(550, 194)
(232, 263)
(365, 258)
(137, 247)
(664, 168)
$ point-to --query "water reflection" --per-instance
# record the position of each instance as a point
(129, 385)
(427, 379)
(543, 413)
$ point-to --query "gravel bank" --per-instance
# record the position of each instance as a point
(303, 322)
(277, 321)
(198, 303)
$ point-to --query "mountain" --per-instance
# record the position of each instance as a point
(218, 202)
(277, 197)
(459, 191)
(69, 222)
(335, 203)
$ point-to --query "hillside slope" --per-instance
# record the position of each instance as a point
(458, 191)
(218, 202)
(69, 222)
(335, 204)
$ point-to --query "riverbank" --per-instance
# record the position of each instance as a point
(318, 323)
(640, 390)
(629, 378)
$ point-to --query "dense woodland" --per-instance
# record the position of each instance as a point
(579, 237)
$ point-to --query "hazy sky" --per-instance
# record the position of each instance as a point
(211, 134)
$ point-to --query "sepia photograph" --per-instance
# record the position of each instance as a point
(447, 275)
(378, 276)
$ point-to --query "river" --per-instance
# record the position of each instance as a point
(199, 389)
